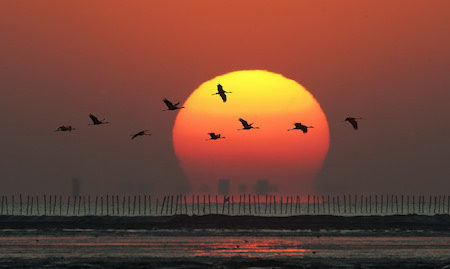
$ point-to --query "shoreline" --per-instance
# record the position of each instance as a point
(439, 223)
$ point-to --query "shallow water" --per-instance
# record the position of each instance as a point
(87, 244)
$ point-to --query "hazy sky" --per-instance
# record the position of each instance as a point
(386, 61)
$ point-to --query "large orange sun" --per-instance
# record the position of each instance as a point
(269, 159)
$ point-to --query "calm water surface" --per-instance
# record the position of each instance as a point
(221, 244)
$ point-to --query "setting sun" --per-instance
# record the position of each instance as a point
(286, 162)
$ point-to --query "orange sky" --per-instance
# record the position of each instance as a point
(61, 60)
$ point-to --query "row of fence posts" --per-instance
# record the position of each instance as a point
(247, 204)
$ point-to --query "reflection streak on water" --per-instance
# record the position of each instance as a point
(145, 245)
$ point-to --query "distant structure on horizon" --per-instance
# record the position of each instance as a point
(223, 187)
(75, 187)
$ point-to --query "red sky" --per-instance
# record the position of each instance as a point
(386, 61)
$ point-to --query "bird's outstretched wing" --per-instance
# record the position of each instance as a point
(212, 135)
(141, 133)
(223, 96)
(135, 135)
(244, 122)
(219, 88)
(354, 123)
(94, 119)
(297, 125)
(168, 103)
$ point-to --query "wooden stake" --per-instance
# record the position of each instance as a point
(123, 205)
(307, 211)
(118, 205)
(67, 208)
(139, 207)
(79, 204)
(396, 202)
(162, 205)
(150, 205)
(439, 205)
(96, 205)
(12, 205)
(407, 204)
(204, 204)
(74, 204)
(274, 204)
(145, 204)
(434, 210)
(84, 205)
(198, 204)
(101, 205)
(28, 205)
(350, 204)
(402, 205)
(338, 205)
(381, 204)
(376, 204)
(429, 206)
(209, 203)
(345, 205)
(217, 206)
(32, 200)
(54, 205)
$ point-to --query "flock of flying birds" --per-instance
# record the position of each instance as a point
(213, 136)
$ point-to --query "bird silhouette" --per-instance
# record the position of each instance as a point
(170, 105)
(96, 121)
(65, 128)
(141, 133)
(214, 136)
(246, 125)
(299, 126)
(221, 92)
(353, 121)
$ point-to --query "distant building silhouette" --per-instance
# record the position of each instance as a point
(242, 188)
(223, 186)
(262, 186)
(75, 187)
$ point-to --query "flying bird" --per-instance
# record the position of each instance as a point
(170, 105)
(65, 128)
(246, 126)
(96, 121)
(353, 121)
(141, 133)
(214, 136)
(299, 126)
(221, 92)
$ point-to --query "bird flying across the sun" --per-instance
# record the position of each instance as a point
(299, 126)
(65, 128)
(170, 105)
(141, 133)
(246, 125)
(353, 121)
(96, 121)
(221, 92)
(214, 136)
